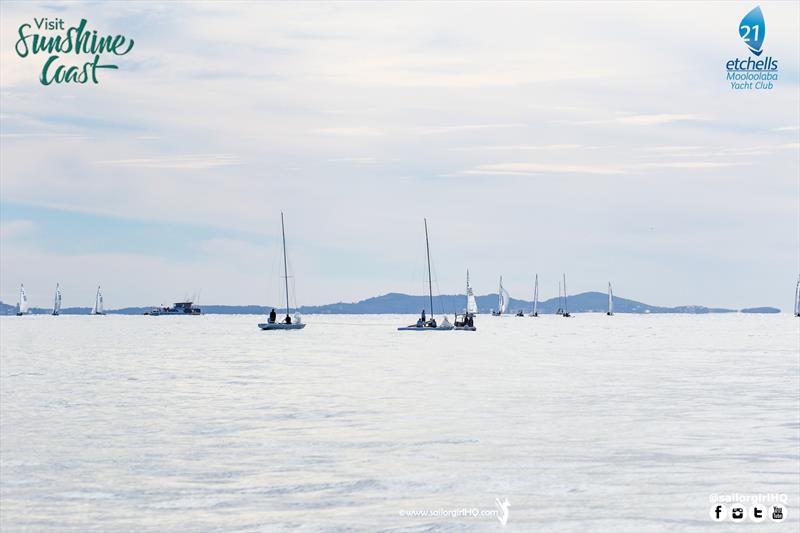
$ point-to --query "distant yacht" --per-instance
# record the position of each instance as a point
(57, 302)
(466, 322)
(797, 299)
(286, 323)
(502, 300)
(178, 308)
(425, 324)
(22, 306)
(565, 314)
(98, 303)
(535, 311)
(610, 311)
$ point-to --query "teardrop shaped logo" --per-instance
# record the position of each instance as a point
(752, 30)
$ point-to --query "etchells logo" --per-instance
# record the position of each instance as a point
(749, 73)
(752, 30)
(70, 55)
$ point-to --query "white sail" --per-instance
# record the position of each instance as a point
(610, 300)
(57, 301)
(504, 298)
(536, 296)
(797, 299)
(472, 305)
(98, 303)
(23, 301)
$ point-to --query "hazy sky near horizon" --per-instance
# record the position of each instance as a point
(600, 140)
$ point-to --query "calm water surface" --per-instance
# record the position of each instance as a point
(625, 423)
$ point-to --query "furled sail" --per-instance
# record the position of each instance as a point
(610, 300)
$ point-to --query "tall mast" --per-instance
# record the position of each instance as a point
(560, 303)
(535, 293)
(285, 268)
(466, 309)
(565, 293)
(428, 253)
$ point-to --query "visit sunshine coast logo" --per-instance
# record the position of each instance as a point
(752, 72)
(70, 55)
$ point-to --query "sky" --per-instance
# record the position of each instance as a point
(600, 140)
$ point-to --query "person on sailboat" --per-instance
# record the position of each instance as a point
(287, 320)
(432, 323)
(272, 317)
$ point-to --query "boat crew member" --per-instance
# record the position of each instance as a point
(272, 316)
(287, 320)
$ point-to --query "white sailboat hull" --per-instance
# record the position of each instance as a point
(268, 326)
(426, 328)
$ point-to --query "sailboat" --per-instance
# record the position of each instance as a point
(797, 299)
(502, 299)
(57, 302)
(610, 311)
(535, 311)
(566, 312)
(465, 322)
(288, 322)
(422, 324)
(98, 303)
(23, 302)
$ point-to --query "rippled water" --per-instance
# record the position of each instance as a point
(624, 423)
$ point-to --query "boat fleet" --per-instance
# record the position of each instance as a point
(23, 308)
(464, 321)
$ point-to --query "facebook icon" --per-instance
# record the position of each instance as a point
(718, 513)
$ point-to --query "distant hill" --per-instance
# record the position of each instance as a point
(396, 303)
(760, 310)
(586, 302)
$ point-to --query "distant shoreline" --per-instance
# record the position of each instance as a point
(404, 304)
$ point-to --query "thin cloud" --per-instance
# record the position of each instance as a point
(16, 228)
(523, 147)
(690, 164)
(524, 169)
(361, 160)
(348, 132)
(468, 127)
(639, 120)
(530, 169)
(673, 148)
(185, 162)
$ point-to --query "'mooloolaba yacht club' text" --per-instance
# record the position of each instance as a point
(749, 74)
